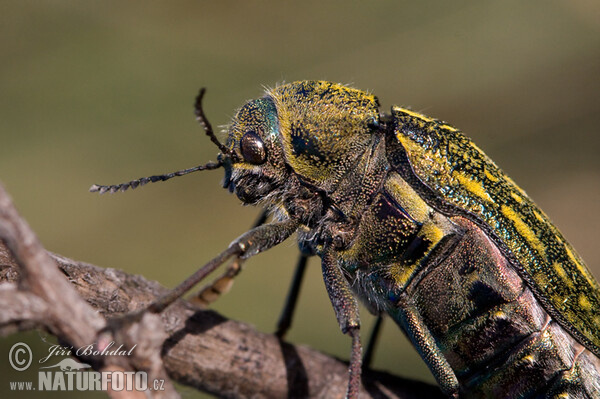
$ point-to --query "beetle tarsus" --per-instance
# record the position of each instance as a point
(354, 370)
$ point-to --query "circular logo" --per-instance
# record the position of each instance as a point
(20, 356)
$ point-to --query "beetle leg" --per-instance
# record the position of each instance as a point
(248, 244)
(346, 311)
(368, 357)
(222, 284)
(355, 367)
(285, 319)
(421, 338)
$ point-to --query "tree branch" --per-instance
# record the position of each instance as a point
(40, 291)
(199, 348)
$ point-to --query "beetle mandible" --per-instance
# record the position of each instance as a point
(412, 218)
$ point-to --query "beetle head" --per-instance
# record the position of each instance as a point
(314, 130)
(308, 132)
(253, 163)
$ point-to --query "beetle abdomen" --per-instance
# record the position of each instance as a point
(491, 329)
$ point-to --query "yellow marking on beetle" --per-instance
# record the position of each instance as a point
(332, 115)
(472, 186)
(246, 166)
(490, 176)
(401, 273)
(432, 232)
(516, 197)
(530, 359)
(584, 303)
(523, 229)
(512, 182)
(435, 226)
(448, 127)
(542, 219)
(562, 274)
(586, 273)
(542, 280)
(571, 255)
(407, 198)
(416, 114)
(500, 314)
(484, 157)
(421, 158)
(580, 266)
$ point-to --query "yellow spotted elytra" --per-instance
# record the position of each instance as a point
(411, 217)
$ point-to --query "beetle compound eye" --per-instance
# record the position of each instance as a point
(253, 148)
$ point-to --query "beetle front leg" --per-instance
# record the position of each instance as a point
(219, 286)
(346, 311)
(222, 284)
(248, 244)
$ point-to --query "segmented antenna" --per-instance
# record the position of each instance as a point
(152, 179)
(201, 118)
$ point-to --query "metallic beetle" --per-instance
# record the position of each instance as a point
(410, 216)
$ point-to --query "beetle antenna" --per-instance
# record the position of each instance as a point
(203, 121)
(152, 179)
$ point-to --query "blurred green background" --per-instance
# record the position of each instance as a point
(102, 92)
